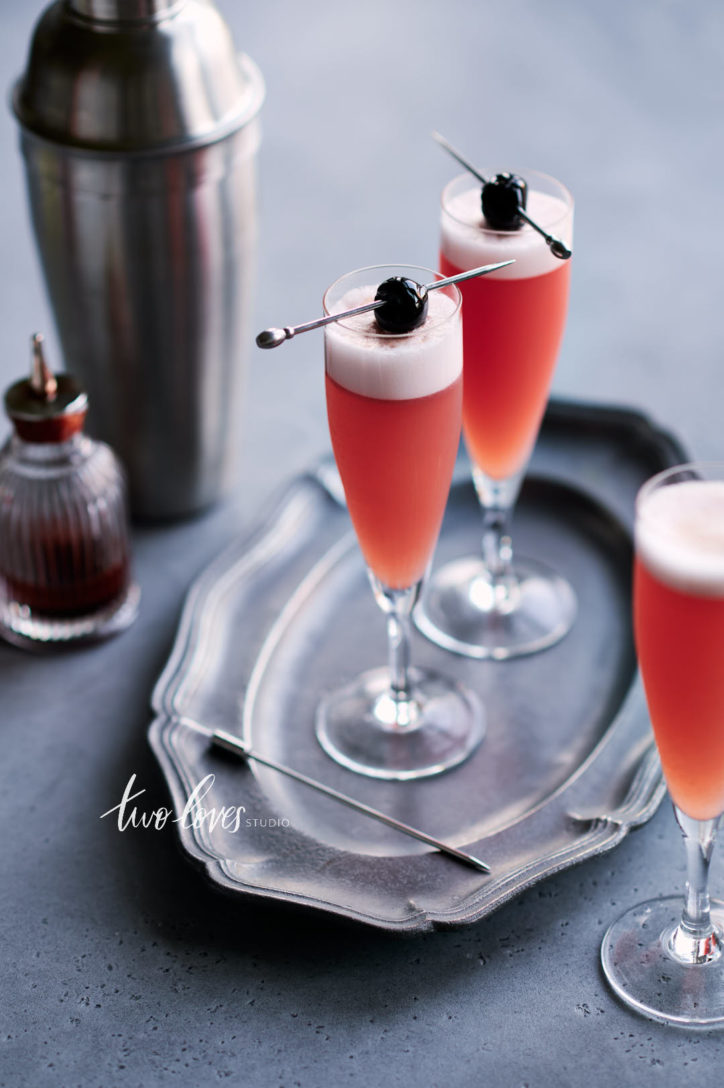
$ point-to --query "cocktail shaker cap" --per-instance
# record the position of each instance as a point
(46, 407)
(135, 76)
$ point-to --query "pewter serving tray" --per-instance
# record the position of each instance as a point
(567, 766)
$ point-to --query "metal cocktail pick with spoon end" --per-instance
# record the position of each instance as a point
(557, 247)
(231, 743)
(272, 338)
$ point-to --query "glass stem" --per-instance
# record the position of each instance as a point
(398, 709)
(497, 499)
(695, 940)
(497, 544)
(398, 652)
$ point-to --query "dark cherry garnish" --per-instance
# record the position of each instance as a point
(405, 305)
(502, 198)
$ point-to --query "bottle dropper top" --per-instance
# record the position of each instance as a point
(46, 407)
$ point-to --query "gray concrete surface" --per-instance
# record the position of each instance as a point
(120, 966)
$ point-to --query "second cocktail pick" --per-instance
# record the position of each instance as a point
(413, 293)
(231, 743)
(504, 201)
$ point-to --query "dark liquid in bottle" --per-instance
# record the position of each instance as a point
(71, 577)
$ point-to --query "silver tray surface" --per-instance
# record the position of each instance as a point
(567, 766)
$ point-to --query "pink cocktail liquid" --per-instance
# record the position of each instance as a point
(679, 626)
(394, 409)
(513, 323)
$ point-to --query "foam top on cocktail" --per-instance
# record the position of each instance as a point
(680, 536)
(365, 360)
(467, 239)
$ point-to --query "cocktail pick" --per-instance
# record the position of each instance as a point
(272, 338)
(231, 743)
(557, 247)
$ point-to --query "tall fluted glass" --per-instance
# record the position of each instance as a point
(394, 408)
(495, 605)
(664, 957)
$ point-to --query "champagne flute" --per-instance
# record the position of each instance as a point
(394, 410)
(660, 959)
(491, 606)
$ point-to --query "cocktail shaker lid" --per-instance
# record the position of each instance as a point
(135, 76)
(46, 407)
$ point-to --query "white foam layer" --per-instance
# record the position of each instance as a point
(365, 361)
(680, 536)
(467, 242)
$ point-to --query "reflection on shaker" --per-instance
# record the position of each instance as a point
(139, 130)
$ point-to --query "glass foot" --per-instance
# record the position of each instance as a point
(644, 972)
(365, 729)
(463, 611)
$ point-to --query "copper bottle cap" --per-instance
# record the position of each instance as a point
(46, 407)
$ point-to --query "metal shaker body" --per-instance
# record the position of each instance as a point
(142, 197)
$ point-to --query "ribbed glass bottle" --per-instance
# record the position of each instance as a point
(65, 572)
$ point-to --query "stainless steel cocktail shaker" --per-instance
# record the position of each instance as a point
(139, 127)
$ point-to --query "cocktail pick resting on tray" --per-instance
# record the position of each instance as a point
(220, 738)
(396, 295)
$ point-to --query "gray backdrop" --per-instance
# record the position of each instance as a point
(123, 968)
